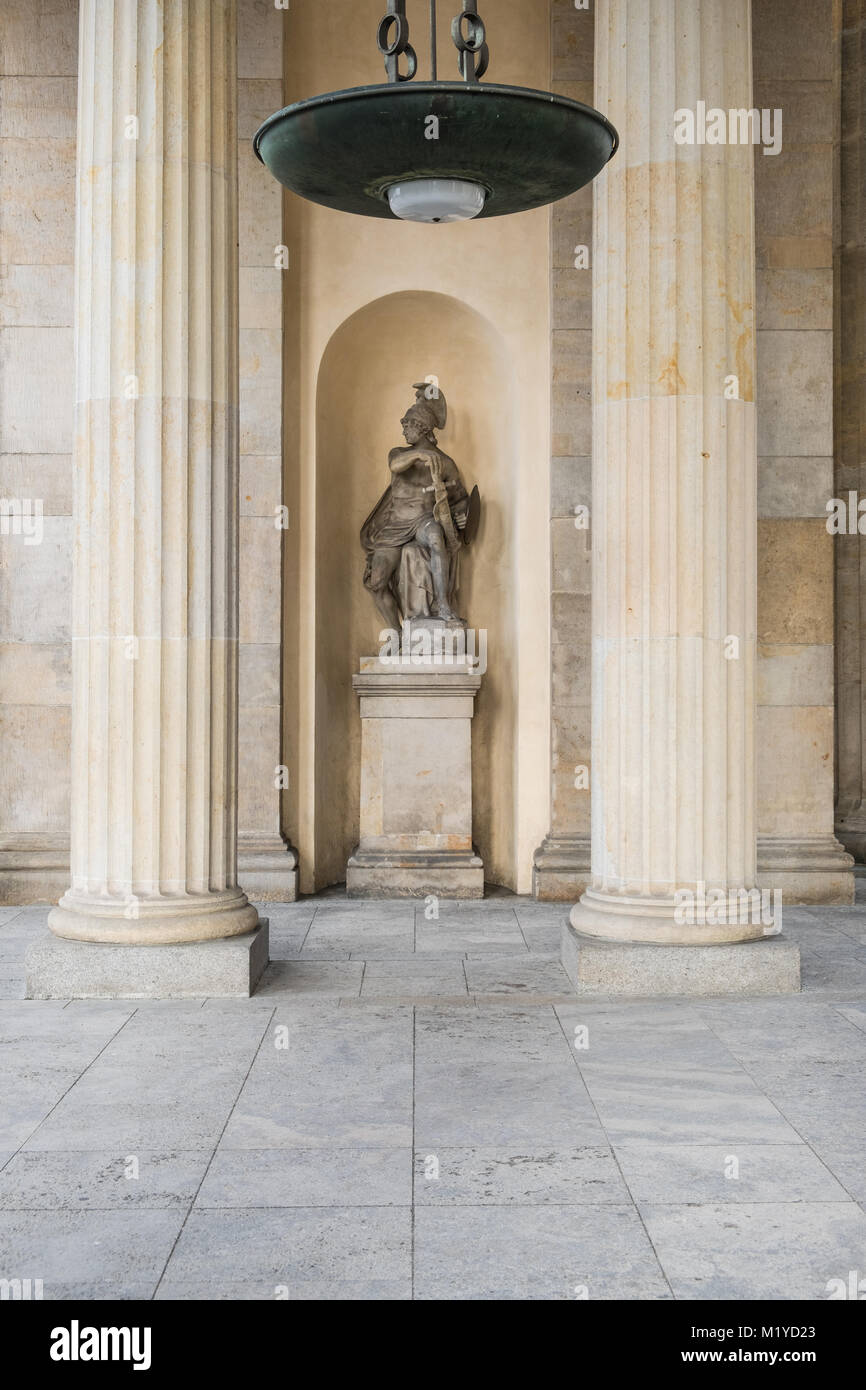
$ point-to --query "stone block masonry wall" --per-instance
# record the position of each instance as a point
(266, 866)
(38, 63)
(562, 861)
(38, 67)
(793, 53)
(794, 194)
(850, 365)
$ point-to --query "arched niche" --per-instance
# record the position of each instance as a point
(364, 387)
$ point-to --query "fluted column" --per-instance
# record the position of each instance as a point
(154, 778)
(674, 479)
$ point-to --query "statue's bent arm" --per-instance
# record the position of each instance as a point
(401, 460)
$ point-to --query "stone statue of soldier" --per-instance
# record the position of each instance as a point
(414, 535)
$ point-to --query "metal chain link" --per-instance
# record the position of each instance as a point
(474, 55)
(391, 45)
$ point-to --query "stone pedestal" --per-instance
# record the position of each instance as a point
(229, 968)
(416, 782)
(626, 968)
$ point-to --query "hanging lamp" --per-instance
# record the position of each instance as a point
(435, 151)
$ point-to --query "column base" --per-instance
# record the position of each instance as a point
(229, 968)
(267, 868)
(771, 966)
(808, 869)
(561, 868)
(654, 921)
(371, 874)
(163, 921)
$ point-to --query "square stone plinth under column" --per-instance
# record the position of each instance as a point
(771, 966)
(229, 968)
(416, 782)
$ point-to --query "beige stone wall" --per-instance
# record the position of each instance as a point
(794, 193)
(339, 266)
(496, 270)
(562, 861)
(38, 60)
(266, 868)
(850, 364)
(38, 65)
(793, 46)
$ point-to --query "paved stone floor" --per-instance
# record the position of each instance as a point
(422, 1109)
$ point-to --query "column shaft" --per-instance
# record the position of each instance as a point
(154, 757)
(674, 478)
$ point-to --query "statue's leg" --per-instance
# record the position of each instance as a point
(383, 565)
(433, 537)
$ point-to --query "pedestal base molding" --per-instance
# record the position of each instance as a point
(267, 868)
(851, 833)
(228, 968)
(814, 869)
(771, 966)
(561, 868)
(34, 868)
(385, 875)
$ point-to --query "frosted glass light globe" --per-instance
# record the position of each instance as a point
(436, 200)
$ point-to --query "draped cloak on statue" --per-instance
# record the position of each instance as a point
(395, 522)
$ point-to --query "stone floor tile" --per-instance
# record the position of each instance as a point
(340, 1080)
(542, 934)
(335, 934)
(25, 1102)
(849, 1167)
(689, 1106)
(769, 1250)
(707, 1173)
(668, 1037)
(123, 1110)
(453, 912)
(823, 1100)
(530, 1253)
(167, 1080)
(308, 1178)
(464, 936)
(587, 1175)
(498, 1079)
(84, 1180)
(525, 974)
(759, 1031)
(333, 978)
(418, 979)
(854, 1013)
(296, 1254)
(365, 912)
(833, 969)
(296, 914)
(89, 1254)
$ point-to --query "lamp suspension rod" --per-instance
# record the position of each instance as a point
(432, 40)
